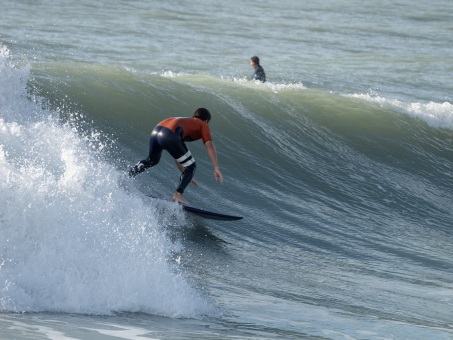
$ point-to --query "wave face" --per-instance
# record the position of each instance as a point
(347, 201)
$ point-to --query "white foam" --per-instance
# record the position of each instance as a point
(172, 74)
(74, 235)
(438, 115)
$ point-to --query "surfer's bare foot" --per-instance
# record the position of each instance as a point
(178, 198)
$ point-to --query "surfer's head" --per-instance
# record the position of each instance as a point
(202, 114)
(254, 61)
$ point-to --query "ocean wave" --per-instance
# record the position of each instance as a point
(438, 115)
(75, 235)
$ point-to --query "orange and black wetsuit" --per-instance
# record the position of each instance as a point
(171, 135)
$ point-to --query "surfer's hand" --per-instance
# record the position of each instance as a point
(218, 175)
(194, 182)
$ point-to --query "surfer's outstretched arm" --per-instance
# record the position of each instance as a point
(210, 148)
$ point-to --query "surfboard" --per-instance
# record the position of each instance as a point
(212, 215)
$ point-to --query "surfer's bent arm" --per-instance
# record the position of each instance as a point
(210, 148)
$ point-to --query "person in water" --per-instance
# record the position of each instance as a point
(171, 135)
(259, 71)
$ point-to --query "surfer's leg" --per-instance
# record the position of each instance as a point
(186, 177)
(184, 180)
(179, 151)
(144, 164)
(155, 152)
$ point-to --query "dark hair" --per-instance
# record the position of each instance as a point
(255, 60)
(202, 114)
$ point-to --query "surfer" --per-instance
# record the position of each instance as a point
(171, 135)
(259, 71)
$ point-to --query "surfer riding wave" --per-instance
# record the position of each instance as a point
(171, 135)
